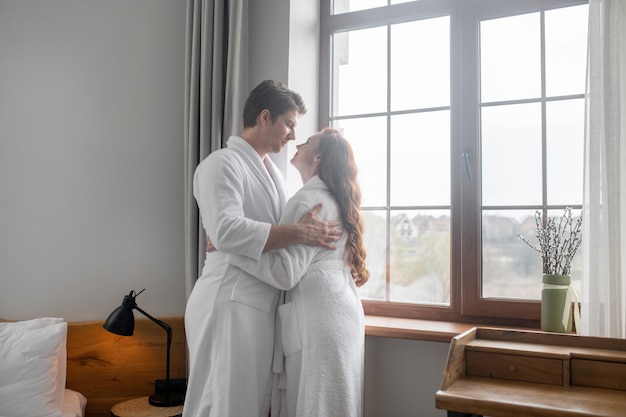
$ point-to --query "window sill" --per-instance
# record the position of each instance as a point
(414, 329)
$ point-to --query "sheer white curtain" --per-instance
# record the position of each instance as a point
(216, 86)
(604, 208)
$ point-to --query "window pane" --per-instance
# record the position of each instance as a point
(565, 149)
(420, 64)
(511, 269)
(420, 159)
(360, 76)
(368, 138)
(511, 155)
(375, 228)
(420, 257)
(510, 56)
(566, 50)
(345, 6)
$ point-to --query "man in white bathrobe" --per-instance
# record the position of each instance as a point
(230, 316)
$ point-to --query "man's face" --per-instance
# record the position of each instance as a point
(281, 131)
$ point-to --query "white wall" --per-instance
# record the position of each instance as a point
(284, 45)
(91, 157)
(402, 377)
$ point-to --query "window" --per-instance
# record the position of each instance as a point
(466, 117)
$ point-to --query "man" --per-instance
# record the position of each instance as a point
(230, 316)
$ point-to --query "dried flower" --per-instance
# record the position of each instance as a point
(559, 238)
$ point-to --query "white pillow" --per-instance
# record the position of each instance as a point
(32, 367)
(61, 353)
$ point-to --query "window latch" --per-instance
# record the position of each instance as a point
(466, 163)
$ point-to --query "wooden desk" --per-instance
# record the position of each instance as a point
(512, 373)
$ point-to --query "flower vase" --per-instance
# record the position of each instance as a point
(554, 297)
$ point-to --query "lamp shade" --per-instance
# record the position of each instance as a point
(122, 320)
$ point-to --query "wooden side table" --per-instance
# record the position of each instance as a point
(140, 407)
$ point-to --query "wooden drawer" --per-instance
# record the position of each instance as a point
(600, 374)
(514, 367)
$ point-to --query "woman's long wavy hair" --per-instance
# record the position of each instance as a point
(337, 169)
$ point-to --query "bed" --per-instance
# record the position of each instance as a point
(74, 404)
(103, 367)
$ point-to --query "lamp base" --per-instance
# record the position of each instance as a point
(166, 399)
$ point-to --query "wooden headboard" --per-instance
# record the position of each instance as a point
(108, 368)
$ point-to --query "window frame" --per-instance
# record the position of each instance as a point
(466, 303)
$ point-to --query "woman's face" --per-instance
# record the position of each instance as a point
(307, 156)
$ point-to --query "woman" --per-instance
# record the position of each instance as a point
(321, 322)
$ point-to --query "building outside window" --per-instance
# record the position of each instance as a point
(466, 117)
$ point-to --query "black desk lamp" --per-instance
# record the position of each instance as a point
(122, 322)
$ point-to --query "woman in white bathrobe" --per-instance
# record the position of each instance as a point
(321, 320)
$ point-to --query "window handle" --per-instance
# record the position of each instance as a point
(466, 163)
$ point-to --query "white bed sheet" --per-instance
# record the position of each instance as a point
(73, 404)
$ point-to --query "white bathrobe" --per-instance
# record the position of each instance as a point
(321, 322)
(230, 316)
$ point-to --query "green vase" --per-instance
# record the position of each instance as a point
(553, 299)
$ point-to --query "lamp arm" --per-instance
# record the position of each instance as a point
(168, 330)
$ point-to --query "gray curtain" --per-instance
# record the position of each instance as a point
(216, 85)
